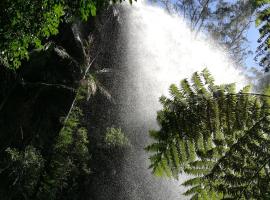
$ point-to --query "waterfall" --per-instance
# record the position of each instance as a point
(154, 50)
(162, 50)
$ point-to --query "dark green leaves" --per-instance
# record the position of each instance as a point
(87, 7)
(25, 25)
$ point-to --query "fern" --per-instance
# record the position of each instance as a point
(201, 124)
(209, 80)
(198, 85)
(245, 165)
(186, 88)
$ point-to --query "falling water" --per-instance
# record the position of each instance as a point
(162, 50)
(156, 50)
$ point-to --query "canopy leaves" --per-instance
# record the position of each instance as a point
(27, 24)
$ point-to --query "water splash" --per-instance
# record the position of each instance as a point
(160, 50)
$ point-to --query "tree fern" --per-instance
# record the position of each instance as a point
(200, 124)
(245, 166)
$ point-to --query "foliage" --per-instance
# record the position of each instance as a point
(27, 24)
(262, 22)
(67, 159)
(224, 21)
(57, 165)
(68, 170)
(23, 168)
(243, 172)
(69, 164)
(61, 172)
(70, 160)
(114, 137)
(199, 125)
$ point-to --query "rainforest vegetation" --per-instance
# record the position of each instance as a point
(59, 135)
(45, 84)
(217, 135)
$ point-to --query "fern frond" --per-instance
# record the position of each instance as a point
(186, 88)
(208, 164)
(175, 156)
(193, 181)
(196, 171)
(175, 92)
(198, 85)
(200, 143)
(155, 147)
(209, 80)
(194, 190)
(158, 170)
(191, 150)
(181, 150)
(165, 167)
(155, 134)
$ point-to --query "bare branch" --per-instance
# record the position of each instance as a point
(205, 6)
(90, 64)
(59, 86)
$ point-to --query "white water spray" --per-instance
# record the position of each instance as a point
(161, 50)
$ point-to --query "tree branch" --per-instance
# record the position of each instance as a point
(201, 13)
(59, 86)
(90, 64)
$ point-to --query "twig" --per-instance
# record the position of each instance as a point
(201, 13)
(60, 86)
(70, 109)
(90, 64)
